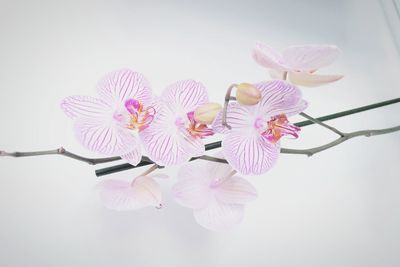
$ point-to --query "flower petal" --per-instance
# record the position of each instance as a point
(118, 86)
(312, 80)
(268, 57)
(236, 190)
(133, 157)
(280, 97)
(166, 143)
(122, 195)
(249, 153)
(184, 96)
(276, 74)
(239, 117)
(310, 57)
(85, 107)
(218, 216)
(192, 193)
(104, 136)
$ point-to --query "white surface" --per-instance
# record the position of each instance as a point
(338, 208)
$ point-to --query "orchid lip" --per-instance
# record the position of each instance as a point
(279, 126)
(196, 129)
(139, 117)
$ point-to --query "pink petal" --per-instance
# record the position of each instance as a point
(184, 96)
(118, 86)
(268, 57)
(192, 193)
(104, 136)
(85, 107)
(218, 216)
(312, 80)
(280, 97)
(249, 153)
(236, 190)
(310, 57)
(133, 157)
(238, 117)
(166, 143)
(122, 195)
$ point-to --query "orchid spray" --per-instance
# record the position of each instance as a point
(127, 121)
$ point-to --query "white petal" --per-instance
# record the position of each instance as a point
(192, 193)
(312, 80)
(218, 216)
(310, 57)
(236, 190)
(133, 157)
(268, 57)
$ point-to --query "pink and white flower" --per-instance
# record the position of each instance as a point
(252, 146)
(215, 194)
(109, 124)
(121, 195)
(175, 136)
(298, 63)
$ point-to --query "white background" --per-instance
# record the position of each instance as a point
(337, 208)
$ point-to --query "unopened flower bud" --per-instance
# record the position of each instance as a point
(207, 113)
(247, 94)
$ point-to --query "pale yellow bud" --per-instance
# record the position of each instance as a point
(247, 94)
(207, 113)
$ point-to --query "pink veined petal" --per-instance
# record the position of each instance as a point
(122, 195)
(218, 216)
(310, 57)
(268, 57)
(104, 136)
(312, 80)
(235, 190)
(133, 157)
(280, 97)
(192, 193)
(239, 117)
(166, 143)
(249, 154)
(118, 86)
(184, 96)
(85, 107)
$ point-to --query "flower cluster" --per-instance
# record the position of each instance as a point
(128, 120)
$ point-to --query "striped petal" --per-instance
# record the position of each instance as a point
(133, 157)
(280, 97)
(122, 195)
(311, 79)
(310, 57)
(118, 86)
(236, 190)
(104, 136)
(249, 153)
(239, 117)
(85, 107)
(218, 216)
(184, 96)
(268, 57)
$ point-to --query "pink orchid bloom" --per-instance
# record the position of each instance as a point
(120, 195)
(109, 124)
(298, 63)
(174, 136)
(251, 146)
(216, 196)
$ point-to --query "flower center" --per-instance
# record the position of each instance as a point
(279, 126)
(196, 129)
(139, 117)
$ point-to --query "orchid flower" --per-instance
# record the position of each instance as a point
(121, 195)
(216, 196)
(251, 146)
(298, 63)
(110, 123)
(174, 135)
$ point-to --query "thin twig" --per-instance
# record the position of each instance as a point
(228, 97)
(321, 123)
(311, 151)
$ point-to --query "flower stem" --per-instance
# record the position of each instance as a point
(228, 97)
